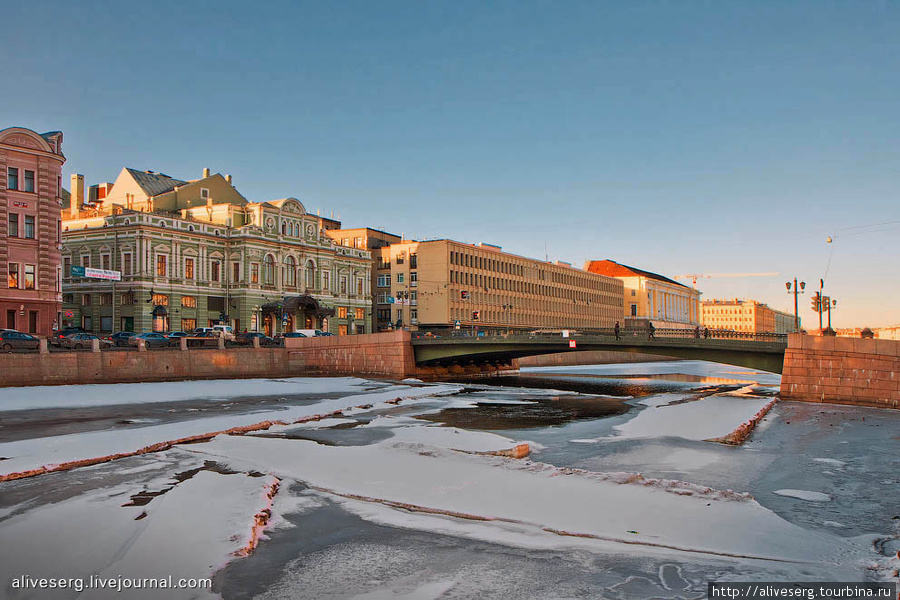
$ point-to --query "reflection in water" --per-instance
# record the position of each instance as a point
(541, 411)
(590, 384)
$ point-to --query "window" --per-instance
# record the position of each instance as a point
(188, 324)
(189, 268)
(400, 277)
(216, 271)
(126, 263)
(310, 275)
(215, 303)
(342, 312)
(105, 260)
(68, 298)
(235, 272)
(414, 297)
(67, 266)
(269, 270)
(13, 277)
(13, 228)
(400, 258)
(360, 314)
(358, 242)
(290, 271)
(384, 281)
(634, 310)
(189, 301)
(128, 299)
(359, 286)
(384, 298)
(106, 299)
(29, 181)
(85, 299)
(12, 179)
(414, 278)
(413, 260)
(326, 281)
(86, 260)
(162, 265)
(343, 284)
(160, 300)
(204, 193)
(29, 277)
(254, 272)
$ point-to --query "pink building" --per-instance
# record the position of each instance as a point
(30, 205)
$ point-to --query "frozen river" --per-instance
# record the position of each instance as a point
(400, 494)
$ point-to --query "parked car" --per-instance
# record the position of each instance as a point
(151, 340)
(174, 337)
(120, 338)
(78, 341)
(16, 340)
(246, 338)
(311, 332)
(278, 340)
(58, 335)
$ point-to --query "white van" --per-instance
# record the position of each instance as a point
(310, 332)
(226, 330)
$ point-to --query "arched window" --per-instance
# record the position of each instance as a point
(290, 271)
(310, 275)
(283, 228)
(269, 270)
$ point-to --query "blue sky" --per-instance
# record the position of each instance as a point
(678, 137)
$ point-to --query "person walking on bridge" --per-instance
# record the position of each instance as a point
(651, 330)
(616, 330)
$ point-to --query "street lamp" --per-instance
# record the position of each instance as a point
(797, 290)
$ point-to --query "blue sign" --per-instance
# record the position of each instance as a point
(77, 271)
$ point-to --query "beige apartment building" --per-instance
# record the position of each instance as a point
(746, 316)
(371, 240)
(444, 284)
(650, 297)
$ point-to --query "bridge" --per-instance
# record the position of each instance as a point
(756, 351)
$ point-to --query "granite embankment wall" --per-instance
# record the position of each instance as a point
(855, 371)
(387, 355)
(589, 357)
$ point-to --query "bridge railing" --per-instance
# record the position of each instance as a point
(607, 334)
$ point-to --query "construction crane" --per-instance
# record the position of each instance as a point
(695, 276)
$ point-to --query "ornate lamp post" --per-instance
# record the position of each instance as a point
(797, 290)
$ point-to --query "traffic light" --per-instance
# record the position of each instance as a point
(816, 303)
(476, 314)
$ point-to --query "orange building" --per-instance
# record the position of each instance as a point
(652, 297)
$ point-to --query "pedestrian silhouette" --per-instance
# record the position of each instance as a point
(616, 329)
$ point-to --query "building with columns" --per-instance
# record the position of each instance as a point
(30, 190)
(196, 253)
(650, 297)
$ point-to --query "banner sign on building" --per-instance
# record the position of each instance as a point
(96, 273)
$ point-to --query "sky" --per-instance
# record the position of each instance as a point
(676, 137)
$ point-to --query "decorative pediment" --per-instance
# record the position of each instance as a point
(24, 138)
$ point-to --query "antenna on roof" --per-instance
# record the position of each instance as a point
(546, 253)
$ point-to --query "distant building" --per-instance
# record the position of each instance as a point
(372, 240)
(444, 284)
(197, 253)
(30, 195)
(651, 297)
(748, 316)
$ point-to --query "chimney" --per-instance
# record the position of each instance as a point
(228, 179)
(77, 197)
(205, 173)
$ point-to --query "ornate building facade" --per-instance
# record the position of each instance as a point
(30, 189)
(747, 316)
(196, 253)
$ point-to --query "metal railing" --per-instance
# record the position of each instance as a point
(607, 334)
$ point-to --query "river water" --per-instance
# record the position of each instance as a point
(848, 453)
